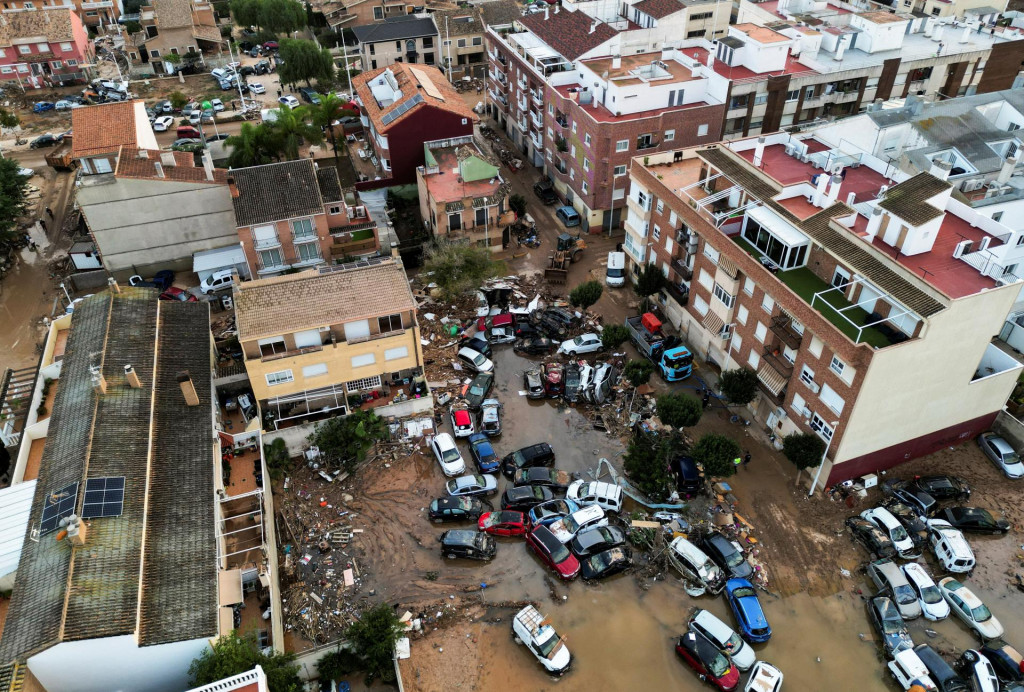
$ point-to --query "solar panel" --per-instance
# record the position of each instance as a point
(104, 497)
(402, 108)
(58, 504)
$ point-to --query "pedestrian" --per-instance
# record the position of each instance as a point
(705, 400)
(737, 461)
(42, 222)
(278, 92)
(49, 212)
(746, 459)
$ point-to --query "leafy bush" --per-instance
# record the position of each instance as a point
(614, 335)
(805, 450)
(638, 372)
(373, 637)
(717, 454)
(586, 294)
(739, 386)
(679, 410)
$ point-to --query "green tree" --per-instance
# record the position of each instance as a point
(649, 281)
(133, 6)
(346, 439)
(337, 663)
(303, 61)
(586, 294)
(277, 457)
(233, 654)
(457, 268)
(614, 335)
(805, 450)
(517, 203)
(8, 118)
(739, 385)
(717, 454)
(172, 59)
(679, 410)
(638, 372)
(13, 197)
(373, 637)
(247, 13)
(282, 16)
(132, 27)
(646, 467)
(254, 145)
(178, 100)
(293, 128)
(330, 110)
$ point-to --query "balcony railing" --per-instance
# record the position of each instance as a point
(537, 139)
(642, 144)
(304, 234)
(680, 268)
(561, 121)
(536, 119)
(267, 243)
(374, 337)
(782, 327)
(292, 353)
(778, 363)
(538, 97)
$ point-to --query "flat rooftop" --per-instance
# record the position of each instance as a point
(743, 74)
(602, 115)
(789, 170)
(623, 74)
(447, 186)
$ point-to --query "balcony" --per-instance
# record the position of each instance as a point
(773, 357)
(521, 82)
(561, 120)
(537, 120)
(782, 327)
(636, 251)
(303, 235)
(291, 354)
(97, 5)
(521, 124)
(678, 293)
(375, 337)
(680, 268)
(537, 96)
(500, 78)
(560, 166)
(538, 140)
(502, 59)
(646, 143)
(267, 243)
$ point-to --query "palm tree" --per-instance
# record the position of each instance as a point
(254, 145)
(331, 110)
(293, 127)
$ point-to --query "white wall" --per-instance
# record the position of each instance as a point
(875, 38)
(115, 664)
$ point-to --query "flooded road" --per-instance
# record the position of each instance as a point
(26, 295)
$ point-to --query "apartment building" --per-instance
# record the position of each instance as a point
(94, 13)
(461, 33)
(406, 39)
(402, 107)
(46, 47)
(174, 27)
(321, 341)
(854, 290)
(294, 215)
(580, 92)
(462, 194)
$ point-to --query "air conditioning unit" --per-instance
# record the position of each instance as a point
(780, 413)
(806, 412)
(813, 386)
(973, 185)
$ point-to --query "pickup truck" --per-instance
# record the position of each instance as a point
(674, 361)
(533, 630)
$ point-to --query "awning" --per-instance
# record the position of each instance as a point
(771, 378)
(713, 323)
(230, 586)
(728, 266)
(218, 258)
(226, 620)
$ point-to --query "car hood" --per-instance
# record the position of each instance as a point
(745, 657)
(559, 662)
(753, 612)
(561, 532)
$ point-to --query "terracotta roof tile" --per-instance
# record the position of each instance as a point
(103, 129)
(330, 185)
(54, 23)
(451, 101)
(171, 14)
(909, 199)
(568, 32)
(500, 12)
(461, 22)
(140, 163)
(276, 191)
(659, 9)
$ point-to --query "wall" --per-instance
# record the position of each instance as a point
(1002, 66)
(406, 138)
(115, 664)
(1010, 428)
(142, 226)
(385, 53)
(289, 254)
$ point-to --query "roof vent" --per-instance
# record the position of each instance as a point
(143, 154)
(188, 389)
(133, 379)
(167, 159)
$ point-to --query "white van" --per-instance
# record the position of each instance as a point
(616, 272)
(604, 495)
(909, 670)
(950, 546)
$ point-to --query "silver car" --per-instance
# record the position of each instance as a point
(1002, 454)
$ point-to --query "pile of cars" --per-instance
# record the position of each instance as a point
(907, 523)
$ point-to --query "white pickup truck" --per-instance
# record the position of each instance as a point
(529, 627)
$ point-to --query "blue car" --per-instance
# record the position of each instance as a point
(551, 511)
(486, 460)
(42, 107)
(743, 600)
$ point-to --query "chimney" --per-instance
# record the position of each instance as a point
(547, 12)
(77, 530)
(940, 169)
(188, 390)
(143, 154)
(759, 152)
(133, 379)
(840, 48)
(232, 187)
(851, 199)
(616, 62)
(557, 8)
(99, 382)
(593, 26)
(874, 223)
(711, 61)
(819, 192)
(833, 191)
(159, 169)
(113, 285)
(1006, 171)
(167, 159)
(208, 164)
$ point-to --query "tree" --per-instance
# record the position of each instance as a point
(247, 12)
(679, 410)
(717, 454)
(132, 27)
(337, 663)
(277, 457)
(13, 197)
(303, 61)
(649, 281)
(172, 59)
(614, 335)
(282, 16)
(373, 637)
(586, 294)
(233, 654)
(517, 203)
(177, 99)
(8, 119)
(638, 372)
(457, 268)
(254, 145)
(739, 385)
(346, 439)
(805, 450)
(133, 6)
(646, 465)
(292, 127)
(330, 110)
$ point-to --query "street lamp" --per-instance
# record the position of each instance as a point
(817, 475)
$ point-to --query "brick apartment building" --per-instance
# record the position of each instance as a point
(93, 13)
(44, 47)
(856, 292)
(175, 27)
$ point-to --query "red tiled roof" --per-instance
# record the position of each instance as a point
(103, 129)
(140, 163)
(451, 100)
(568, 32)
(658, 9)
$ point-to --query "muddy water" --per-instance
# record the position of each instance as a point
(26, 295)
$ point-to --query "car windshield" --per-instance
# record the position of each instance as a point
(931, 595)
(493, 519)
(981, 613)
(680, 361)
(734, 643)
(579, 341)
(450, 454)
(464, 503)
(479, 359)
(744, 592)
(479, 481)
(600, 561)
(547, 646)
(904, 594)
(891, 622)
(477, 390)
(719, 665)
(898, 533)
(559, 553)
(734, 559)
(571, 525)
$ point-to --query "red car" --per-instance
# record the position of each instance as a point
(554, 379)
(504, 523)
(270, 45)
(180, 294)
(553, 552)
(708, 661)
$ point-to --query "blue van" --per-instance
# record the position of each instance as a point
(568, 216)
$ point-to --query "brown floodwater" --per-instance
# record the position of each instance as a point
(26, 295)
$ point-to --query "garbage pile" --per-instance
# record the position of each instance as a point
(504, 154)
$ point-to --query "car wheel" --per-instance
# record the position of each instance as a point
(437, 521)
(450, 556)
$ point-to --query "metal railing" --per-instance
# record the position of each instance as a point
(294, 352)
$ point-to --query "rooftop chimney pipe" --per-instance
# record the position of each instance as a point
(188, 390)
(132, 377)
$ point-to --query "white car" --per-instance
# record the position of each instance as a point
(462, 422)
(217, 281)
(908, 670)
(162, 123)
(448, 455)
(474, 360)
(970, 609)
(764, 678)
(535, 632)
(473, 484)
(567, 527)
(979, 671)
(933, 606)
(1002, 454)
(883, 519)
(584, 343)
(722, 636)
(27, 172)
(217, 105)
(64, 105)
(289, 101)
(257, 88)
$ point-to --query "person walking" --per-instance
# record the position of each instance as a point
(49, 212)
(705, 400)
(746, 459)
(42, 222)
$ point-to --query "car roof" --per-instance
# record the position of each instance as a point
(546, 536)
(468, 352)
(891, 571)
(916, 573)
(688, 549)
(462, 417)
(508, 515)
(710, 622)
(968, 596)
(444, 440)
(460, 537)
(587, 513)
(885, 516)
(964, 512)
(698, 643)
(999, 442)
(521, 491)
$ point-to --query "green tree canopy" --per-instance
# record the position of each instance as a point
(457, 268)
(373, 637)
(13, 197)
(646, 465)
(330, 110)
(614, 335)
(805, 450)
(304, 62)
(717, 454)
(679, 410)
(292, 128)
(254, 145)
(282, 16)
(233, 654)
(177, 99)
(650, 281)
(739, 385)
(586, 294)
(638, 372)
(247, 12)
(346, 439)
(517, 203)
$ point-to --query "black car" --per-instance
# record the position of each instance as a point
(596, 539)
(549, 326)
(455, 509)
(247, 71)
(309, 95)
(46, 141)
(1006, 660)
(724, 554)
(910, 519)
(539, 454)
(525, 330)
(571, 391)
(545, 190)
(523, 498)
(561, 315)
(689, 482)
(478, 390)
(478, 344)
(607, 563)
(871, 537)
(886, 618)
(162, 280)
(468, 544)
(973, 520)
(262, 67)
(533, 346)
(550, 478)
(942, 487)
(915, 498)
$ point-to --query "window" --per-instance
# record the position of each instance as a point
(71, 63)
(363, 383)
(585, 189)
(656, 233)
(754, 359)
(279, 377)
(302, 229)
(454, 222)
(622, 145)
(378, 14)
(724, 296)
(551, 109)
(28, 6)
(819, 426)
(792, 95)
(837, 365)
(711, 253)
(308, 252)
(574, 130)
(673, 220)
(270, 258)
(586, 164)
(768, 304)
(760, 332)
(265, 236)
(428, 41)
(621, 171)
(481, 216)
(22, 68)
(760, 99)
(807, 376)
(586, 139)
(670, 135)
(840, 278)
(66, 47)
(705, 279)
(396, 353)
(314, 370)
(815, 347)
(829, 397)
(24, 50)
(700, 305)
(660, 206)
(702, 130)
(741, 314)
(1020, 240)
(461, 43)
(748, 286)
(798, 403)
(363, 360)
(997, 216)
(43, 47)
(334, 210)
(389, 323)
(737, 342)
(56, 64)
(101, 165)
(6, 70)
